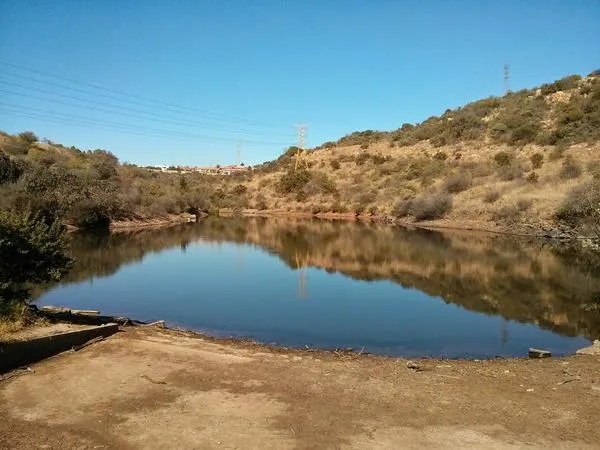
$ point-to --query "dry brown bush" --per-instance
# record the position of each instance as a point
(425, 207)
(570, 169)
(458, 183)
(491, 196)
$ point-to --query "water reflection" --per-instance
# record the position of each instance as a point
(522, 280)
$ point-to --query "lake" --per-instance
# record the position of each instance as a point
(342, 284)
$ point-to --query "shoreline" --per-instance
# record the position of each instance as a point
(521, 230)
(59, 314)
(350, 352)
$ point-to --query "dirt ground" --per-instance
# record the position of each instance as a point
(147, 388)
(44, 330)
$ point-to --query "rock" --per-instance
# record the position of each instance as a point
(536, 353)
(413, 365)
(594, 349)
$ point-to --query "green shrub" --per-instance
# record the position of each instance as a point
(458, 183)
(499, 128)
(510, 173)
(537, 160)
(363, 137)
(563, 84)
(31, 251)
(29, 137)
(361, 159)
(88, 215)
(533, 178)
(335, 164)
(378, 159)
(570, 169)
(240, 189)
(364, 146)
(441, 156)
(524, 134)
(294, 181)
(503, 158)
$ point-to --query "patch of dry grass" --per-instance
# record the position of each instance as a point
(480, 186)
(15, 316)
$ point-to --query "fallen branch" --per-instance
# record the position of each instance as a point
(146, 377)
(16, 373)
(569, 380)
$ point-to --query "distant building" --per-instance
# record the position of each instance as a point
(206, 170)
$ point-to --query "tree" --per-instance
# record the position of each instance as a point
(31, 251)
(28, 136)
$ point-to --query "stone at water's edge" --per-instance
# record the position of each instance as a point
(535, 353)
(594, 349)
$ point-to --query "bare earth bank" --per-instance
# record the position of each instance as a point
(150, 388)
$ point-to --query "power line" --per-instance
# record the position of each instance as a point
(44, 115)
(215, 116)
(93, 108)
(119, 107)
(127, 130)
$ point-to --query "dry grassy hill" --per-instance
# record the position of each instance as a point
(527, 161)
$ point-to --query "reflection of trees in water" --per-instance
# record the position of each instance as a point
(520, 279)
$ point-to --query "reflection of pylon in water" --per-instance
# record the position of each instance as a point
(503, 333)
(301, 264)
(239, 259)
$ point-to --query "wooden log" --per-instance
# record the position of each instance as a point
(87, 312)
(55, 309)
(536, 353)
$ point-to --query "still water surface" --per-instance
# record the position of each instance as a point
(341, 284)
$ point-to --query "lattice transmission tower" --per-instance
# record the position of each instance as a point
(300, 160)
(506, 79)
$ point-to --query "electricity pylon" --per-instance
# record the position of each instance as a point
(300, 160)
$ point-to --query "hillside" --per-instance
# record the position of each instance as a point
(525, 162)
(529, 160)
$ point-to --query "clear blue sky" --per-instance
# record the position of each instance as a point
(339, 66)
